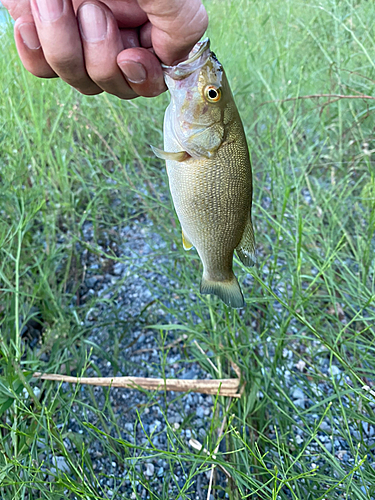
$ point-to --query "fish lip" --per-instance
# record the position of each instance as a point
(197, 58)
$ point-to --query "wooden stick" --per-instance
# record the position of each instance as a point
(220, 387)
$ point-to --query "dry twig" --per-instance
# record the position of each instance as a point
(318, 96)
(221, 430)
(368, 389)
(220, 387)
(205, 355)
(198, 446)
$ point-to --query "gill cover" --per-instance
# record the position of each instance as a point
(197, 87)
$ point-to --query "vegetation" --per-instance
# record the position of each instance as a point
(68, 161)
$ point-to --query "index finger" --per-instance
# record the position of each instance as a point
(177, 25)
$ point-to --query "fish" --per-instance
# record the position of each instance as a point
(209, 170)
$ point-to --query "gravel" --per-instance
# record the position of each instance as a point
(140, 419)
(144, 421)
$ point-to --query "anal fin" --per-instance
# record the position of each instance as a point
(165, 155)
(186, 242)
(246, 248)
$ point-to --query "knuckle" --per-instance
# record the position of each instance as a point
(84, 85)
(65, 64)
(103, 80)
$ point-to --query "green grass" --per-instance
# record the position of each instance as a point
(312, 292)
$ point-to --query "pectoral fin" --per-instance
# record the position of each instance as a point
(164, 155)
(186, 242)
(246, 248)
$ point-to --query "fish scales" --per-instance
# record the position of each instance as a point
(209, 170)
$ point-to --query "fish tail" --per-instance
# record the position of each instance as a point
(228, 291)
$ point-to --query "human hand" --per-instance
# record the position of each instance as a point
(114, 46)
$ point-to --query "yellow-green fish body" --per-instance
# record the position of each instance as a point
(209, 170)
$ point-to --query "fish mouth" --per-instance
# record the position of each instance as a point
(197, 58)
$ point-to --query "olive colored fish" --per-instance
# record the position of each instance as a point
(209, 170)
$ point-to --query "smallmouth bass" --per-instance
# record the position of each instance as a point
(209, 170)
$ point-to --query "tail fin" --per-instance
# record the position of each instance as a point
(228, 291)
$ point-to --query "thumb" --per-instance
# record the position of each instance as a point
(17, 8)
(177, 25)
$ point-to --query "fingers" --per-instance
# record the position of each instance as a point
(59, 36)
(92, 54)
(102, 42)
(128, 13)
(17, 8)
(142, 70)
(88, 54)
(30, 49)
(124, 73)
(177, 25)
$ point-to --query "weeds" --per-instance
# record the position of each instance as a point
(72, 166)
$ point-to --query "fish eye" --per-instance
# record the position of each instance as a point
(212, 93)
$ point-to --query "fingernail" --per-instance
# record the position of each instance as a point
(134, 72)
(50, 10)
(29, 35)
(93, 22)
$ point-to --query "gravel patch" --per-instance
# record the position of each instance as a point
(150, 423)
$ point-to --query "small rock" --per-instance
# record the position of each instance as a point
(299, 397)
(61, 464)
(150, 469)
(188, 375)
(155, 426)
(200, 412)
(368, 429)
(325, 427)
(300, 365)
(298, 394)
(287, 353)
(118, 268)
(335, 370)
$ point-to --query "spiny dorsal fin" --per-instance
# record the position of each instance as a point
(246, 248)
(164, 155)
(186, 242)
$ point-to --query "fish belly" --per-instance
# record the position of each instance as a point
(212, 198)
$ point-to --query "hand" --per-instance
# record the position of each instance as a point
(114, 46)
